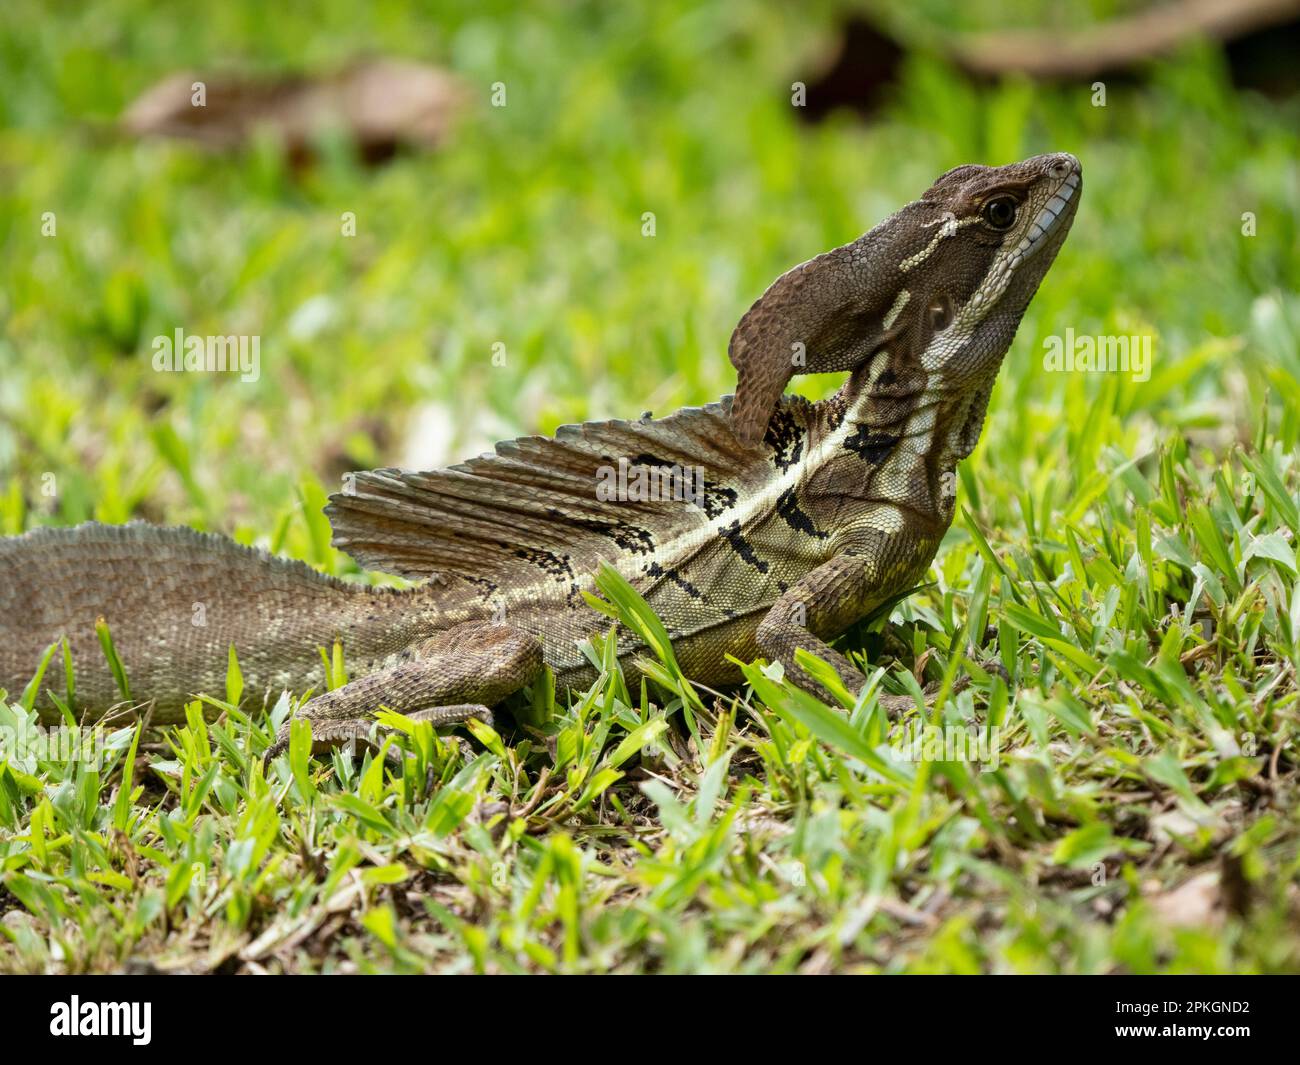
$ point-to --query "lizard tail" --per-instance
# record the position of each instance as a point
(175, 601)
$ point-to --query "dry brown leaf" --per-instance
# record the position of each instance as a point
(382, 104)
(1195, 903)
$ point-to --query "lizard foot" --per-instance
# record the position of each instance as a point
(897, 704)
(326, 735)
(447, 679)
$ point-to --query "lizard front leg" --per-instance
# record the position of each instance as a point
(873, 565)
(449, 678)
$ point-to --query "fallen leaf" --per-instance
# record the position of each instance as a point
(382, 104)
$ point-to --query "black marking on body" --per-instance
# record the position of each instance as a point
(796, 517)
(548, 561)
(874, 447)
(833, 411)
(736, 539)
(785, 437)
(487, 585)
(717, 498)
(631, 538)
(889, 385)
(895, 394)
(656, 570)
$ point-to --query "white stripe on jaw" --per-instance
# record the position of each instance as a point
(947, 228)
(1049, 215)
(899, 303)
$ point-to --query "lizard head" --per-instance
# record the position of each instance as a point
(994, 232)
(942, 285)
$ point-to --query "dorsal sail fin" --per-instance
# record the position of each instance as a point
(536, 500)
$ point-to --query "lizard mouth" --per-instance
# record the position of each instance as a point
(1055, 215)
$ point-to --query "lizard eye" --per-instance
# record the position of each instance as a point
(1000, 212)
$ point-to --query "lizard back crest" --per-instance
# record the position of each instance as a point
(537, 501)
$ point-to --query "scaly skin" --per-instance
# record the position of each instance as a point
(834, 508)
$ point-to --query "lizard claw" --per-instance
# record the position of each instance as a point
(893, 704)
(326, 734)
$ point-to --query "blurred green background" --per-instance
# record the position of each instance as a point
(526, 230)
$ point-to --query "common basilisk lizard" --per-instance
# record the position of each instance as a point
(805, 516)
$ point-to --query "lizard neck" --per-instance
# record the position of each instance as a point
(896, 429)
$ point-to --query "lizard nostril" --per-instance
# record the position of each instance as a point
(1064, 165)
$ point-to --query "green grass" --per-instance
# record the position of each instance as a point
(1125, 550)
